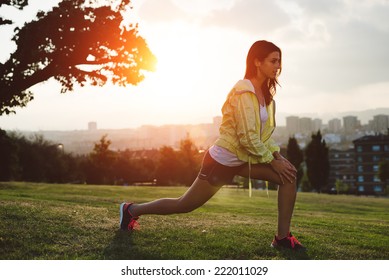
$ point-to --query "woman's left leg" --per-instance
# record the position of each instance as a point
(286, 194)
(198, 194)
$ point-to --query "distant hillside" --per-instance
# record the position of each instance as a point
(363, 116)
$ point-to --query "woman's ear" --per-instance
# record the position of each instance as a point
(257, 63)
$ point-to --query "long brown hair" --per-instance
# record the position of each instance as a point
(260, 50)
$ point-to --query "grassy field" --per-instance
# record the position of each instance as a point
(43, 221)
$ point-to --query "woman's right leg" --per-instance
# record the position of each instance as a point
(198, 194)
(286, 194)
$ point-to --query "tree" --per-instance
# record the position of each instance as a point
(383, 173)
(341, 187)
(101, 161)
(144, 170)
(189, 164)
(8, 158)
(383, 170)
(78, 42)
(166, 173)
(305, 184)
(316, 158)
(296, 156)
(39, 160)
(123, 169)
(36, 160)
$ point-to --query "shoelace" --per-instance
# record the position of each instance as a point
(133, 224)
(293, 241)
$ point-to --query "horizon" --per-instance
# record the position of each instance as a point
(369, 114)
(327, 68)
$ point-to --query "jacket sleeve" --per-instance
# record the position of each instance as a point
(272, 146)
(246, 128)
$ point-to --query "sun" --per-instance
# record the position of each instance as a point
(178, 65)
(182, 88)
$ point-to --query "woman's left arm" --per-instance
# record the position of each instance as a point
(272, 146)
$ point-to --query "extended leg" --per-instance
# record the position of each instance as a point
(198, 194)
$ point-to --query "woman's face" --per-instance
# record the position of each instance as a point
(270, 66)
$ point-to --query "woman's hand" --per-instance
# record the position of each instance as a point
(284, 169)
(278, 156)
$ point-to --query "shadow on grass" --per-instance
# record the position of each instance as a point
(123, 247)
(293, 255)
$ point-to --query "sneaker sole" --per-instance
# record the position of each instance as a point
(284, 248)
(121, 214)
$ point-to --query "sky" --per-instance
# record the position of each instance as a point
(335, 59)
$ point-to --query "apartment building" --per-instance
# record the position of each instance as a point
(369, 152)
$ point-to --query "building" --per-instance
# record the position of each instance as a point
(350, 124)
(381, 123)
(317, 124)
(306, 125)
(334, 125)
(92, 126)
(342, 168)
(292, 125)
(369, 152)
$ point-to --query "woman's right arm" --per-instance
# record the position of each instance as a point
(284, 169)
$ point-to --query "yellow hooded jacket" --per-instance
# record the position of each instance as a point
(240, 131)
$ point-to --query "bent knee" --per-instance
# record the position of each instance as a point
(289, 185)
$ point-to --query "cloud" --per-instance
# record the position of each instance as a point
(374, 13)
(319, 8)
(161, 11)
(251, 16)
(328, 45)
(336, 47)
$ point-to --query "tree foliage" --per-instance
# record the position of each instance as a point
(166, 172)
(8, 158)
(305, 183)
(317, 161)
(189, 161)
(35, 159)
(341, 187)
(383, 171)
(296, 156)
(78, 42)
(100, 163)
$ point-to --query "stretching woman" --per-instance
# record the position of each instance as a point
(244, 148)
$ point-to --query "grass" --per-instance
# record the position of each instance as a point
(47, 221)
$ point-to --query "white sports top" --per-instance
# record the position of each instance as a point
(263, 115)
(224, 156)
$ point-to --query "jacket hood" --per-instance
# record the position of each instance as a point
(244, 86)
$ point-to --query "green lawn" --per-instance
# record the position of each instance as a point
(47, 221)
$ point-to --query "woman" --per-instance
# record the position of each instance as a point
(243, 148)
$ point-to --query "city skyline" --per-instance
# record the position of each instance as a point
(334, 60)
(338, 133)
(364, 117)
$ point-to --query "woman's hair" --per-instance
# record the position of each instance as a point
(260, 50)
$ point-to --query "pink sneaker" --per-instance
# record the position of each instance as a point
(127, 221)
(289, 242)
